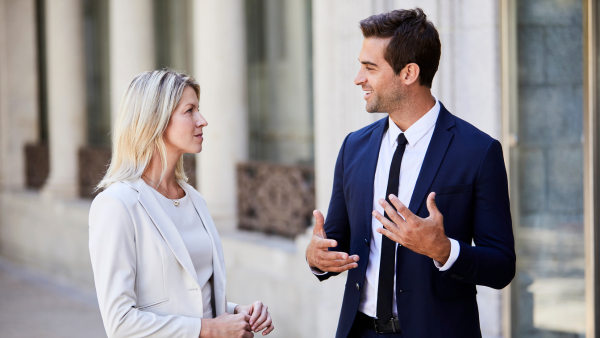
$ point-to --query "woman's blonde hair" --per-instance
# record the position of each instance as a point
(143, 116)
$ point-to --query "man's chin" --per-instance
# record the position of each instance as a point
(372, 109)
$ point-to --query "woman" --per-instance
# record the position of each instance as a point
(156, 255)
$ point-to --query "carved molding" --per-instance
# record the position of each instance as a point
(93, 163)
(273, 198)
(37, 165)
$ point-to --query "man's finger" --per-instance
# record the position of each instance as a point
(323, 243)
(332, 255)
(431, 205)
(328, 263)
(391, 212)
(319, 222)
(390, 235)
(391, 226)
(342, 268)
(401, 208)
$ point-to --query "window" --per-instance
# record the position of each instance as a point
(279, 42)
(548, 292)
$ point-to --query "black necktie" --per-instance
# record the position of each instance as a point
(385, 292)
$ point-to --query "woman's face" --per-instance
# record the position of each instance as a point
(184, 131)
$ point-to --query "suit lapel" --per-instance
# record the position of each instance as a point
(436, 151)
(166, 228)
(370, 166)
(220, 280)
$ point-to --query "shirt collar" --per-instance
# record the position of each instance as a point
(415, 132)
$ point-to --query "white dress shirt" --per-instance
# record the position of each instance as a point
(418, 136)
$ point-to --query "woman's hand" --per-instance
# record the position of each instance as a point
(260, 318)
(226, 326)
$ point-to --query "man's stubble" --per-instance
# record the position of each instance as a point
(385, 102)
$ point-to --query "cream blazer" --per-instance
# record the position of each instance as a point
(145, 279)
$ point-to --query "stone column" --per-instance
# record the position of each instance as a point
(20, 104)
(131, 39)
(220, 64)
(66, 94)
(339, 104)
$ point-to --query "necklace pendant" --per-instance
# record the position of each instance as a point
(176, 203)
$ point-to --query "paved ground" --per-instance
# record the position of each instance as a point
(33, 305)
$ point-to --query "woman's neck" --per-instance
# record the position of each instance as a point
(153, 172)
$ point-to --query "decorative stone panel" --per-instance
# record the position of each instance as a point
(275, 199)
(93, 163)
(37, 165)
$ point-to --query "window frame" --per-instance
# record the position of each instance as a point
(591, 127)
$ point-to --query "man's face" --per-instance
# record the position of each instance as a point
(384, 90)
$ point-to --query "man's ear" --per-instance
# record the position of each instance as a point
(410, 73)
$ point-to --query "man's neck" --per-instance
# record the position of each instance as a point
(412, 110)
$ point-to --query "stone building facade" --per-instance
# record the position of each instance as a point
(278, 93)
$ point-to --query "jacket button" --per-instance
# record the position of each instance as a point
(366, 241)
(357, 286)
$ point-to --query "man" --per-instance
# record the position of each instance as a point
(412, 269)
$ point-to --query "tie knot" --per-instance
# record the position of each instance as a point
(402, 139)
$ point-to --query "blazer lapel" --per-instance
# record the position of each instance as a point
(370, 167)
(433, 158)
(220, 279)
(166, 227)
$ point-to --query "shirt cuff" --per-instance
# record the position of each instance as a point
(454, 251)
(315, 271)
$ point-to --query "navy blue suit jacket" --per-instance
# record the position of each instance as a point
(465, 167)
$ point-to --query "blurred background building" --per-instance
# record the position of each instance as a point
(278, 93)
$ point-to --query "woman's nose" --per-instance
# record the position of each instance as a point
(201, 122)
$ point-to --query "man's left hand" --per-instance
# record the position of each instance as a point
(424, 236)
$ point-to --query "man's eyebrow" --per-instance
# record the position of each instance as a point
(368, 63)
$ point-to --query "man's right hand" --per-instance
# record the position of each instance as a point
(226, 326)
(318, 255)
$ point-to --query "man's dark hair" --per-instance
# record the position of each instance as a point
(414, 40)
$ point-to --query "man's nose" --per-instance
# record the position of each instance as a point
(360, 78)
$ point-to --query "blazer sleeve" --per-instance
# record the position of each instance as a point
(231, 307)
(337, 224)
(491, 262)
(113, 254)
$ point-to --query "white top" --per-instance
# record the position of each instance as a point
(196, 239)
(418, 136)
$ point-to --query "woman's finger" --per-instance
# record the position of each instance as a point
(268, 330)
(264, 321)
(256, 311)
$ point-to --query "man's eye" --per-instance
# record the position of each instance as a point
(369, 68)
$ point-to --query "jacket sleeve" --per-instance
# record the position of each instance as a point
(491, 262)
(337, 224)
(113, 254)
(231, 307)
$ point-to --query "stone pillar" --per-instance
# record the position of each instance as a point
(131, 39)
(66, 94)
(19, 98)
(220, 64)
(339, 104)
